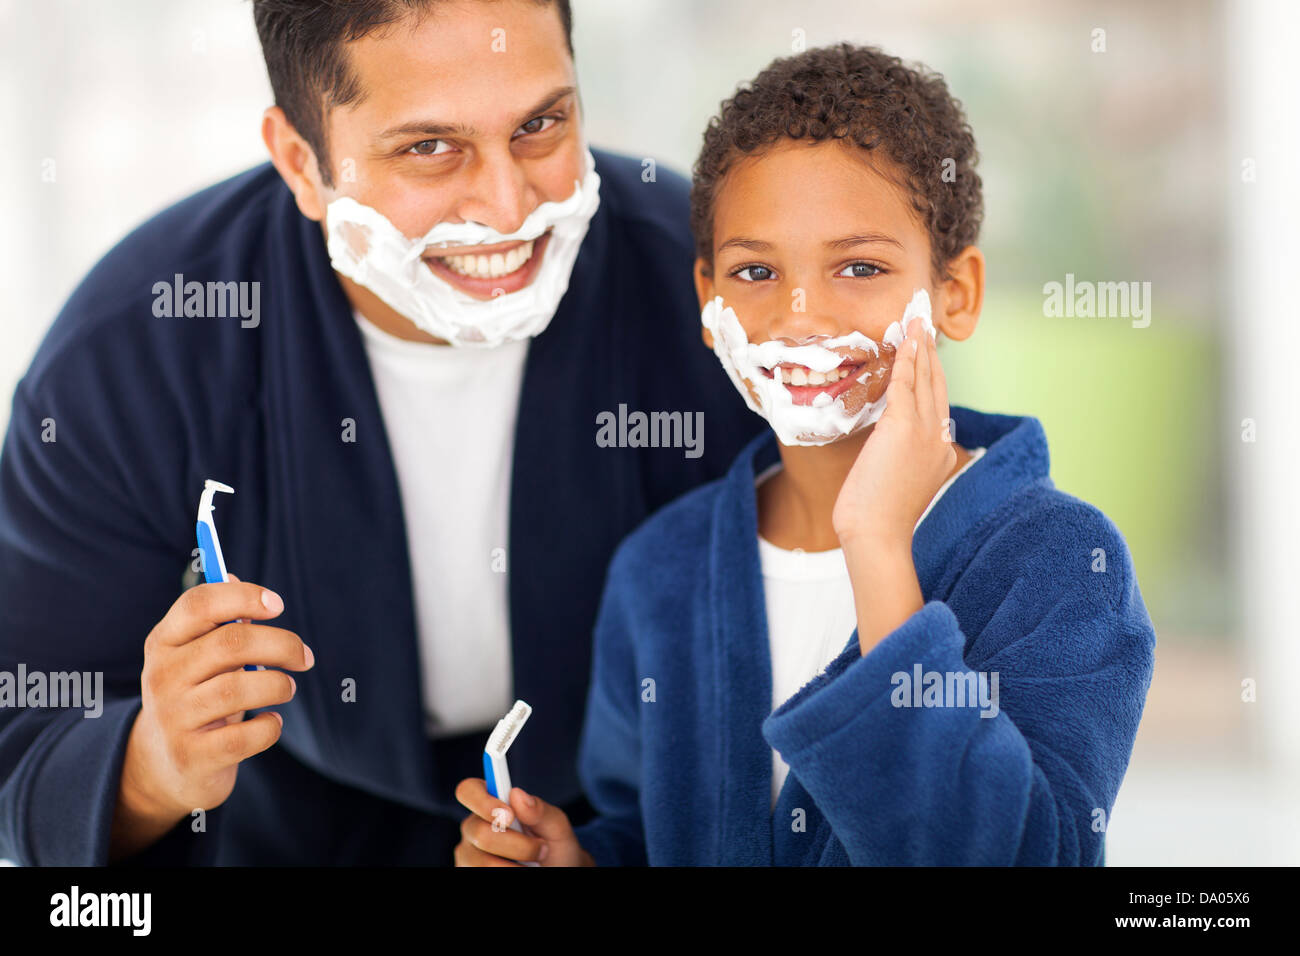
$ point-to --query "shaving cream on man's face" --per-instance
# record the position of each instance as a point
(815, 392)
(371, 251)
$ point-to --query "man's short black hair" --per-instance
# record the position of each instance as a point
(866, 100)
(302, 43)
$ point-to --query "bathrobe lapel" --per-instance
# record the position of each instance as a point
(744, 661)
(330, 510)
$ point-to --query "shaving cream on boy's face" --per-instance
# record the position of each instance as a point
(371, 251)
(819, 391)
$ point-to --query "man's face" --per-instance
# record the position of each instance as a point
(469, 116)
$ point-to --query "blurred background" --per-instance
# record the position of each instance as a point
(1151, 143)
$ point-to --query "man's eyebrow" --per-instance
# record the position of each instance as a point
(433, 128)
(849, 241)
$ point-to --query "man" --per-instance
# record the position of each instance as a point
(438, 299)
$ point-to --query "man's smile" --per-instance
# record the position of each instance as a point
(490, 270)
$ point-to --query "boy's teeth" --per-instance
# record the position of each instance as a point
(805, 376)
(491, 267)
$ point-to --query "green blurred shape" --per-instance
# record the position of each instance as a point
(1127, 413)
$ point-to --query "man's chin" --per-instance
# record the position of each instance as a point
(484, 285)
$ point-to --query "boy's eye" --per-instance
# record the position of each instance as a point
(535, 125)
(430, 147)
(758, 273)
(859, 270)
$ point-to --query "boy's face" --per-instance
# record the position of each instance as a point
(811, 242)
(470, 116)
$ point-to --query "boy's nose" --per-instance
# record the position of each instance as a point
(801, 327)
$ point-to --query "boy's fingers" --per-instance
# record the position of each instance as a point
(466, 854)
(940, 387)
(472, 794)
(507, 844)
(902, 377)
(924, 382)
(546, 821)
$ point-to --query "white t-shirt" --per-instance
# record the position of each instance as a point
(450, 418)
(810, 612)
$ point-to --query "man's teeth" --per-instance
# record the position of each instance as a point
(798, 375)
(491, 267)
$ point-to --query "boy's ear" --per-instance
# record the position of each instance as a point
(962, 296)
(704, 292)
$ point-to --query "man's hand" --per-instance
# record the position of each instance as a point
(190, 735)
(487, 840)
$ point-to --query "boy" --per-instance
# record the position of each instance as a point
(985, 705)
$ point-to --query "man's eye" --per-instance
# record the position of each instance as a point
(758, 273)
(859, 270)
(536, 125)
(430, 147)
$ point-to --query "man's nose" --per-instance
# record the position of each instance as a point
(497, 193)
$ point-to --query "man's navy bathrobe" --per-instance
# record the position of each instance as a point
(1005, 562)
(97, 526)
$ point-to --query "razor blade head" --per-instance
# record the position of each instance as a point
(508, 727)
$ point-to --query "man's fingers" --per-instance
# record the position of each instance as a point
(207, 606)
(237, 742)
(231, 646)
(235, 692)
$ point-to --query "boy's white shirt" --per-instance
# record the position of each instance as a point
(450, 414)
(810, 611)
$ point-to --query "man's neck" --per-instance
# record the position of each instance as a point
(383, 316)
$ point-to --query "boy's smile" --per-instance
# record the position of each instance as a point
(804, 384)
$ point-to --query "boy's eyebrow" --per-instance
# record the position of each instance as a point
(758, 245)
(850, 241)
(433, 128)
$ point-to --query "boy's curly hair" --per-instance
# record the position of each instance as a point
(862, 96)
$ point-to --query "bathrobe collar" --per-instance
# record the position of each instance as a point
(1016, 458)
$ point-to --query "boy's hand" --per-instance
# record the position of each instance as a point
(487, 840)
(908, 455)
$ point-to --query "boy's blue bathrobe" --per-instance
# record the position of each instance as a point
(676, 754)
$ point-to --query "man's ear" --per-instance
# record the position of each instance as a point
(295, 162)
(962, 296)
(704, 292)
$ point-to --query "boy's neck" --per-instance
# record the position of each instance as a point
(795, 505)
